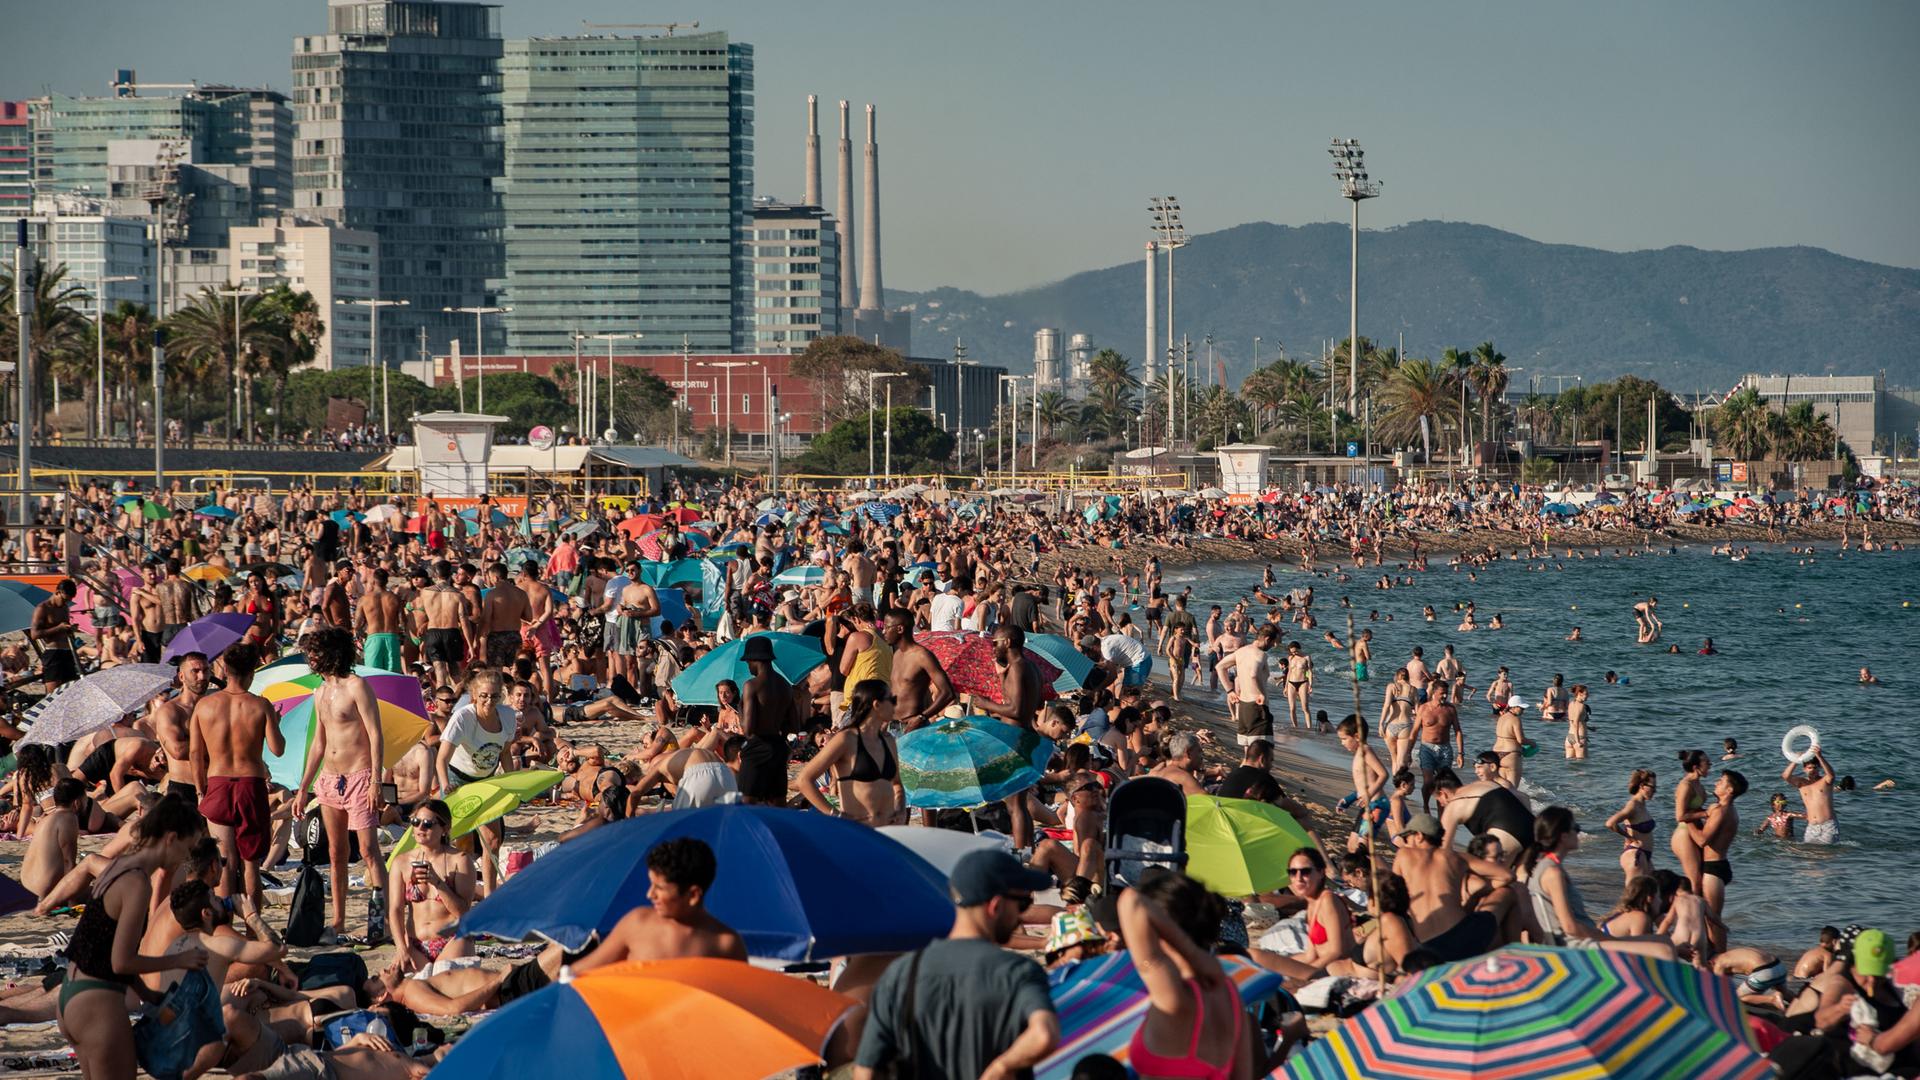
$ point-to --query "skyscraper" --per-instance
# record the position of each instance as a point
(627, 194)
(397, 111)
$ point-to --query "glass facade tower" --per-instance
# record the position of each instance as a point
(398, 133)
(627, 193)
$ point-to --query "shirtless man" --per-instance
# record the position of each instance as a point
(343, 769)
(1449, 674)
(540, 632)
(1247, 686)
(921, 691)
(52, 627)
(1361, 649)
(698, 775)
(173, 726)
(376, 618)
(336, 600)
(1299, 686)
(1815, 784)
(502, 613)
(768, 712)
(1369, 779)
(1648, 622)
(56, 837)
(229, 728)
(1184, 761)
(637, 606)
(1019, 703)
(677, 925)
(179, 602)
(860, 571)
(1434, 720)
(1434, 873)
(143, 610)
(449, 626)
(1715, 836)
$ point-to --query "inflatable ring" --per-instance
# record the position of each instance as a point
(1800, 756)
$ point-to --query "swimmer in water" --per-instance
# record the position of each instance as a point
(1575, 635)
(1707, 649)
(1867, 678)
(1780, 821)
(1732, 747)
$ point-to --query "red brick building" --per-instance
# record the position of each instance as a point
(717, 397)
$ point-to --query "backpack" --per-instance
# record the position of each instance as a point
(307, 915)
(336, 969)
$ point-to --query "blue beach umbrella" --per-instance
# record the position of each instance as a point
(794, 655)
(804, 574)
(673, 609)
(881, 513)
(1560, 509)
(16, 611)
(218, 513)
(1061, 653)
(796, 886)
(767, 519)
(345, 518)
(32, 594)
(969, 761)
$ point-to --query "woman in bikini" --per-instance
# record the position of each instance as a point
(1577, 713)
(1635, 825)
(104, 960)
(1689, 807)
(1195, 1026)
(1329, 923)
(439, 889)
(865, 762)
(1638, 911)
(1396, 719)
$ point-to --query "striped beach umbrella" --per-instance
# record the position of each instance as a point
(970, 761)
(1101, 1002)
(1533, 1011)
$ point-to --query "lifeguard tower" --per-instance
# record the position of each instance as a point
(451, 450)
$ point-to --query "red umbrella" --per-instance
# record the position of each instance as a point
(967, 658)
(641, 524)
(685, 515)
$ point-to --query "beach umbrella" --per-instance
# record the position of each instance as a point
(474, 804)
(769, 519)
(1213, 493)
(153, 511)
(833, 528)
(967, 658)
(880, 513)
(208, 635)
(804, 574)
(794, 655)
(206, 573)
(382, 513)
(580, 530)
(970, 761)
(1062, 653)
(769, 503)
(1239, 847)
(84, 707)
(858, 496)
(1605, 498)
(1560, 509)
(521, 556)
(32, 594)
(1536, 1011)
(640, 524)
(1102, 1001)
(346, 518)
(796, 886)
(655, 1020)
(944, 848)
(216, 512)
(495, 516)
(673, 609)
(290, 684)
(14, 896)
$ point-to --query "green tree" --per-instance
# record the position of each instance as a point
(204, 343)
(1488, 376)
(842, 367)
(1110, 404)
(1744, 425)
(1417, 389)
(129, 351)
(296, 329)
(918, 445)
(63, 337)
(1804, 434)
(1055, 412)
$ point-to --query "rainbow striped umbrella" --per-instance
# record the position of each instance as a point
(1102, 1001)
(1533, 1011)
(290, 684)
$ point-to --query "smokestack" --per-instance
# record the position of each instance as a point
(870, 298)
(813, 151)
(843, 215)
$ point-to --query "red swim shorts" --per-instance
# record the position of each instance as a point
(240, 803)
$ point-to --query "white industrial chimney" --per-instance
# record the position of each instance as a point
(843, 222)
(870, 290)
(813, 151)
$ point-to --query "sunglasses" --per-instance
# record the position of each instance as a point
(1299, 871)
(425, 823)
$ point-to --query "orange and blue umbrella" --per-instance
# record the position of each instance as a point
(795, 886)
(661, 1020)
(290, 684)
(1102, 1001)
(1531, 1011)
(970, 761)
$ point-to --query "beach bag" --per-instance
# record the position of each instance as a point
(336, 969)
(337, 1030)
(167, 1039)
(312, 838)
(307, 915)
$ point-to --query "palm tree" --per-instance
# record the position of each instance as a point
(62, 334)
(129, 366)
(1110, 393)
(1457, 363)
(297, 330)
(203, 335)
(1804, 434)
(1488, 374)
(1054, 410)
(1744, 424)
(1417, 390)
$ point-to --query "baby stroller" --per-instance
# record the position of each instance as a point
(1146, 826)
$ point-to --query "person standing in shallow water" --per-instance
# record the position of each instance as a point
(1814, 781)
(1715, 837)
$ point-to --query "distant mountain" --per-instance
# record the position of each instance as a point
(1690, 319)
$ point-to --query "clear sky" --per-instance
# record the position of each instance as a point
(1020, 141)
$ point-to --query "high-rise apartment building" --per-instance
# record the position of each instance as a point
(397, 117)
(16, 159)
(627, 194)
(331, 262)
(796, 277)
(94, 245)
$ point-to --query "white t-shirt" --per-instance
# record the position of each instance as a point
(944, 612)
(476, 751)
(1122, 649)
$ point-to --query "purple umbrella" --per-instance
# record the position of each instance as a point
(209, 635)
(14, 896)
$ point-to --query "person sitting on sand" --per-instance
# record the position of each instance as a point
(1329, 922)
(677, 924)
(435, 889)
(55, 846)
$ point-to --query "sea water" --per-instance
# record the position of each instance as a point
(1791, 631)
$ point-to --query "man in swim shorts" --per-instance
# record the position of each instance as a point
(1813, 779)
(228, 730)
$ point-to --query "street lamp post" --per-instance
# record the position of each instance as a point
(373, 347)
(726, 428)
(579, 387)
(1013, 417)
(612, 424)
(872, 377)
(480, 345)
(233, 373)
(1350, 168)
(100, 420)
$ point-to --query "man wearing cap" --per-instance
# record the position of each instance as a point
(1508, 738)
(768, 712)
(1433, 873)
(965, 1007)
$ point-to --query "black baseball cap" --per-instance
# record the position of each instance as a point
(982, 875)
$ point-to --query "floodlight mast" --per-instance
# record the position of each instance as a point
(1350, 168)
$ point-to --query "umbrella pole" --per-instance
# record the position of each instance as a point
(1373, 842)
